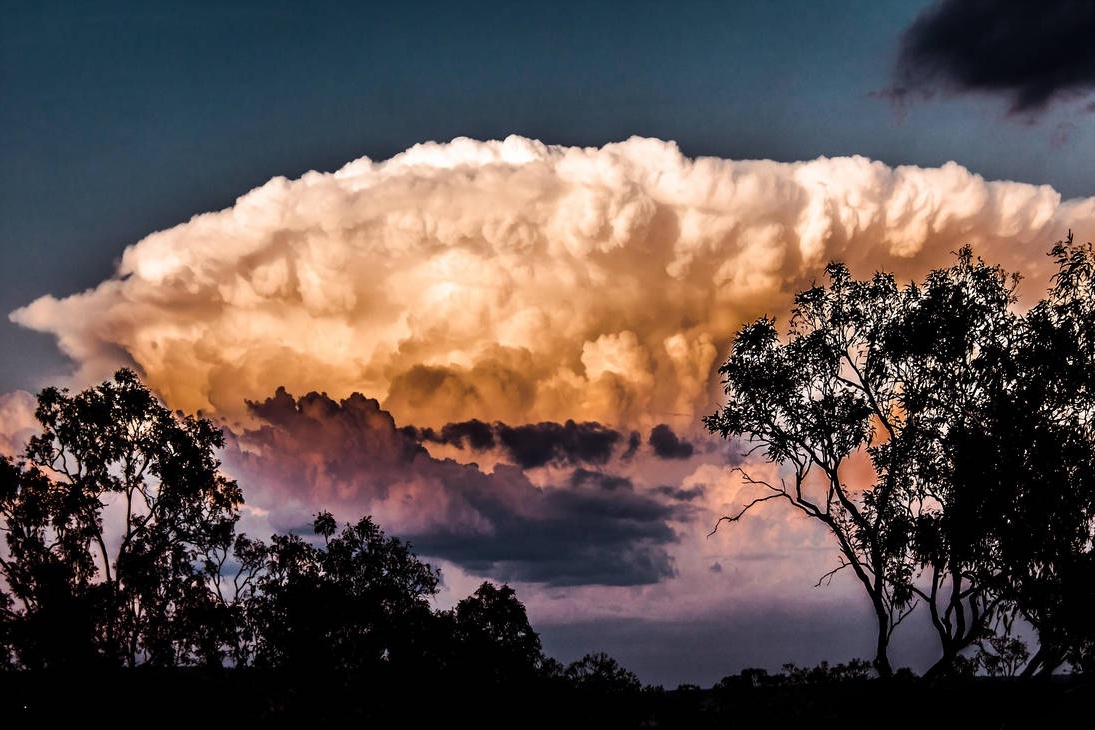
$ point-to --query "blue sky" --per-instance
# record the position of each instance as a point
(121, 119)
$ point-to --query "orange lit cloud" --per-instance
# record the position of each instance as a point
(521, 282)
(17, 422)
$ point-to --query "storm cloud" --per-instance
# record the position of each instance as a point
(1031, 53)
(518, 282)
(583, 527)
(667, 444)
(475, 283)
(534, 444)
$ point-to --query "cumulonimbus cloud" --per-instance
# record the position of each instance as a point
(521, 282)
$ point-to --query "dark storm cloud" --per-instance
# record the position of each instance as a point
(598, 480)
(353, 433)
(680, 494)
(474, 434)
(537, 444)
(667, 444)
(534, 444)
(596, 531)
(349, 456)
(1030, 52)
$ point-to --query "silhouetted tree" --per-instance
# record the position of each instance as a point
(109, 520)
(928, 381)
(7, 654)
(1001, 655)
(823, 672)
(599, 673)
(9, 481)
(494, 638)
(1042, 470)
(747, 678)
(1008, 475)
(358, 602)
(953, 343)
(813, 403)
(977, 423)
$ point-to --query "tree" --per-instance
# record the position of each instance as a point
(1003, 478)
(823, 673)
(977, 423)
(871, 370)
(1044, 468)
(811, 404)
(494, 638)
(9, 479)
(111, 518)
(356, 603)
(599, 673)
(952, 343)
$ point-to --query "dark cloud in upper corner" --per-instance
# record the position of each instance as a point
(1030, 52)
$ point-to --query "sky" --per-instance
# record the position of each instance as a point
(471, 268)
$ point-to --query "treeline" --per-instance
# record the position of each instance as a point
(121, 554)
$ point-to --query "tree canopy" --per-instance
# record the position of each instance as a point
(111, 519)
(353, 603)
(975, 419)
(121, 551)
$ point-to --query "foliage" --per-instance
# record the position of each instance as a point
(814, 402)
(1001, 655)
(110, 519)
(952, 344)
(823, 672)
(792, 674)
(1045, 467)
(597, 672)
(977, 423)
(356, 603)
(121, 558)
(494, 640)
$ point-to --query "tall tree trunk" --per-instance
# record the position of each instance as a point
(881, 656)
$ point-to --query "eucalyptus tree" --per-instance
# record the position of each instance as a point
(112, 518)
(877, 374)
(812, 402)
(358, 601)
(1044, 473)
(1007, 464)
(953, 345)
(494, 641)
